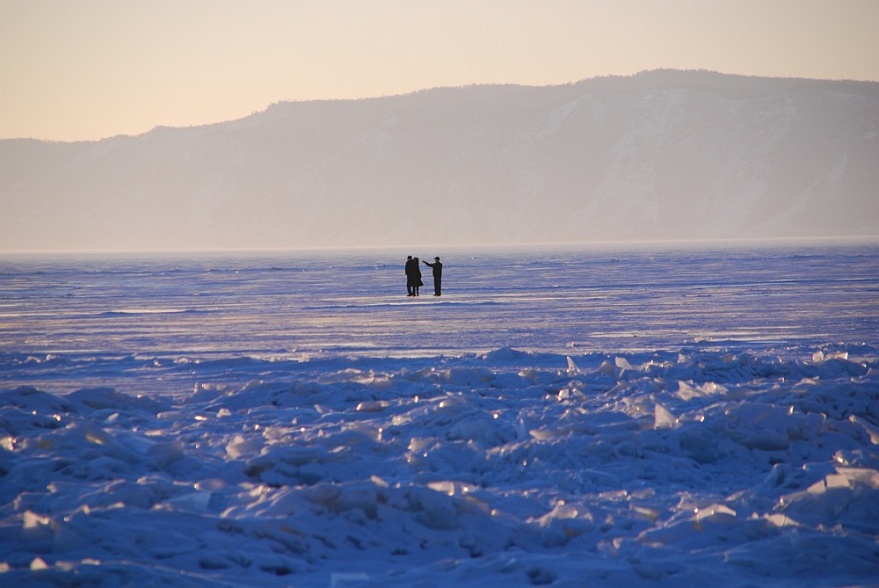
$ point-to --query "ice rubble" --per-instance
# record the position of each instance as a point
(668, 468)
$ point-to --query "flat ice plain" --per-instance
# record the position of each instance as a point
(656, 416)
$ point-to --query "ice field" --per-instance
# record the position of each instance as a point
(657, 416)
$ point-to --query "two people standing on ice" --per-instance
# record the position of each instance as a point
(413, 276)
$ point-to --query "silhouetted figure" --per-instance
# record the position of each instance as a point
(413, 276)
(437, 275)
(416, 276)
(410, 276)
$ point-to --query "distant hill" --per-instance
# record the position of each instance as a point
(659, 155)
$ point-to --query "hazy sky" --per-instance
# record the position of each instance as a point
(87, 69)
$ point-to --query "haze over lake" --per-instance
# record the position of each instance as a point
(663, 155)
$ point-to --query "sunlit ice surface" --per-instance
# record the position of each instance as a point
(655, 415)
(309, 306)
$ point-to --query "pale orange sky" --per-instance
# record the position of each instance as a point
(88, 69)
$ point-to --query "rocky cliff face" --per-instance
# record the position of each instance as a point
(660, 155)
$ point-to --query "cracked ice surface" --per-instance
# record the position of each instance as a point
(556, 418)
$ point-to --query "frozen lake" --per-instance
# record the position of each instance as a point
(567, 417)
(325, 306)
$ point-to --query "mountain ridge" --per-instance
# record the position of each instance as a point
(656, 156)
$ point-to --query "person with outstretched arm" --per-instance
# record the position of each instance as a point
(437, 267)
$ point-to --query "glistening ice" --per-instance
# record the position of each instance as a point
(580, 417)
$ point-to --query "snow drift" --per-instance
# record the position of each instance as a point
(677, 469)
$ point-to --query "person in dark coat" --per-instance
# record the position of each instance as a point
(416, 277)
(410, 275)
(437, 275)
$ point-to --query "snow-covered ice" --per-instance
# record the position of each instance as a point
(591, 417)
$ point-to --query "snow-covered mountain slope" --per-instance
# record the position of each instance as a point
(660, 155)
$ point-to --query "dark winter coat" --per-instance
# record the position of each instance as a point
(437, 268)
(413, 273)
